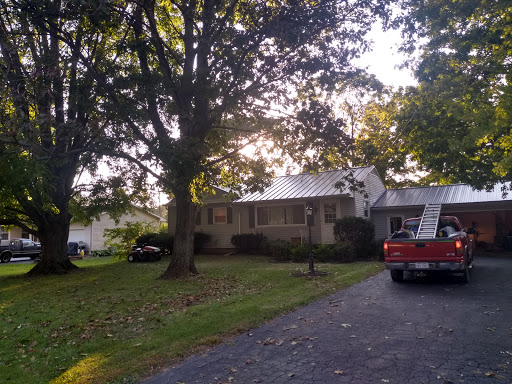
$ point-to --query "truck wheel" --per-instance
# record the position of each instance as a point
(6, 257)
(131, 259)
(397, 275)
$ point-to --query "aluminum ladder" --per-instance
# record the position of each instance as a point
(428, 224)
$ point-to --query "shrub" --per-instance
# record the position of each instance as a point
(299, 253)
(280, 250)
(145, 239)
(246, 242)
(200, 240)
(344, 252)
(324, 252)
(357, 230)
(121, 239)
(162, 240)
(379, 250)
(101, 253)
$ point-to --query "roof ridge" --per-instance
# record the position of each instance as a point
(329, 170)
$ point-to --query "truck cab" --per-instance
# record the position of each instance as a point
(19, 248)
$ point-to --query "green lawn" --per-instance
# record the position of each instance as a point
(115, 322)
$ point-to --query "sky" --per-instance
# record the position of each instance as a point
(384, 59)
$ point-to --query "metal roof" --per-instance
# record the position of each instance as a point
(440, 194)
(306, 185)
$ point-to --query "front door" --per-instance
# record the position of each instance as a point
(329, 214)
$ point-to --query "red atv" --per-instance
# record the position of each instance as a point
(144, 253)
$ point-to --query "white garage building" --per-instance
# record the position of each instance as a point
(93, 235)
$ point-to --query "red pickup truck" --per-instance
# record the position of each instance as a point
(451, 250)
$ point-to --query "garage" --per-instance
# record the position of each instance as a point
(76, 235)
(487, 213)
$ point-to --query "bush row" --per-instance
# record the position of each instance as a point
(354, 241)
(341, 252)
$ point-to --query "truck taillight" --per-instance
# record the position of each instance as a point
(458, 248)
(386, 247)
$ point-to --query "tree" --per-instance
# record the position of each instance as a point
(199, 81)
(50, 125)
(458, 121)
(379, 144)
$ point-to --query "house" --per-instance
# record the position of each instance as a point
(279, 212)
(93, 234)
(15, 233)
(488, 212)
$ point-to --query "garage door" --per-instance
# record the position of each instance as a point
(76, 235)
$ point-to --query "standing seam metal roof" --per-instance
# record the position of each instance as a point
(306, 185)
(440, 194)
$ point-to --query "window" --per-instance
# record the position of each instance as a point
(366, 208)
(281, 215)
(4, 235)
(220, 215)
(395, 223)
(25, 234)
(330, 212)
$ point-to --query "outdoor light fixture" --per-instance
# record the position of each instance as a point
(309, 214)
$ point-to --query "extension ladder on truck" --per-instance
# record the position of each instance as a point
(428, 224)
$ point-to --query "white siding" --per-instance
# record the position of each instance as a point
(374, 188)
(94, 234)
(380, 219)
(220, 233)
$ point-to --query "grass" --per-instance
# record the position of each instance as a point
(115, 322)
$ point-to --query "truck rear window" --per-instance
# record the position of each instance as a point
(412, 225)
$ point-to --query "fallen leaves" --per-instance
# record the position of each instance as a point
(271, 341)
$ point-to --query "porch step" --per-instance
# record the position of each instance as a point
(429, 221)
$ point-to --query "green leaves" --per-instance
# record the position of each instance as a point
(457, 122)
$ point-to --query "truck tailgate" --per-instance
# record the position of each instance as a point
(440, 249)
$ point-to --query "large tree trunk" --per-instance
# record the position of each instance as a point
(53, 232)
(182, 258)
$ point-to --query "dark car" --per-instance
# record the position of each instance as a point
(19, 248)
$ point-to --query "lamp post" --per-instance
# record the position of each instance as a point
(309, 216)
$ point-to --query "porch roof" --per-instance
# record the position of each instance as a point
(441, 194)
(307, 185)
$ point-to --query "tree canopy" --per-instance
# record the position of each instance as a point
(378, 143)
(196, 82)
(458, 121)
(52, 125)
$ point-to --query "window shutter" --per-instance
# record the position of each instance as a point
(210, 215)
(251, 216)
(229, 218)
(198, 217)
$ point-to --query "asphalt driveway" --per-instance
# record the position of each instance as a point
(432, 330)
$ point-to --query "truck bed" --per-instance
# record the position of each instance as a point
(415, 250)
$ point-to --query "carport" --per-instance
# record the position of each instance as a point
(489, 213)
